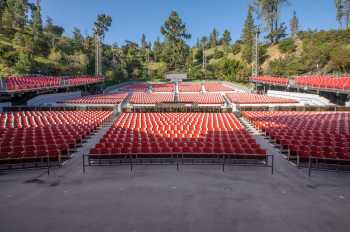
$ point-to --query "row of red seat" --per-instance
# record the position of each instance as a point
(324, 82)
(217, 87)
(151, 98)
(178, 133)
(305, 134)
(163, 87)
(114, 98)
(270, 80)
(190, 87)
(205, 98)
(41, 134)
(249, 98)
(39, 82)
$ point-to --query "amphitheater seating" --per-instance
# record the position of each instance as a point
(324, 82)
(271, 80)
(163, 87)
(201, 134)
(82, 80)
(216, 87)
(249, 98)
(205, 98)
(16, 83)
(135, 87)
(151, 98)
(188, 87)
(104, 99)
(36, 135)
(318, 134)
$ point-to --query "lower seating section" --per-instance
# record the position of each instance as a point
(151, 98)
(318, 134)
(37, 135)
(206, 98)
(248, 98)
(271, 80)
(199, 134)
(216, 87)
(324, 82)
(14, 83)
(163, 87)
(104, 99)
(190, 87)
(135, 87)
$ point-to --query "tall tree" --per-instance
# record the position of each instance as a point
(175, 33)
(248, 36)
(226, 39)
(37, 23)
(157, 50)
(101, 26)
(77, 40)
(343, 12)
(269, 11)
(213, 38)
(339, 8)
(294, 25)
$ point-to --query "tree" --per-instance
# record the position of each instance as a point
(269, 11)
(248, 36)
(339, 8)
(175, 33)
(226, 39)
(343, 12)
(157, 50)
(213, 38)
(37, 23)
(294, 25)
(102, 25)
(77, 40)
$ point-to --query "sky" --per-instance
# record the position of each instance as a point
(131, 18)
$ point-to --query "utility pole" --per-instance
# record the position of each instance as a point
(255, 55)
(204, 63)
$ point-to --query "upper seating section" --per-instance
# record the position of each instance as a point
(249, 98)
(17, 83)
(216, 87)
(271, 80)
(163, 87)
(32, 135)
(324, 82)
(206, 134)
(105, 99)
(190, 87)
(151, 98)
(199, 98)
(318, 134)
(135, 87)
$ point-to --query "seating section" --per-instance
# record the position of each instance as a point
(249, 98)
(110, 99)
(15, 83)
(216, 87)
(163, 87)
(270, 80)
(135, 87)
(324, 82)
(36, 135)
(151, 98)
(189, 87)
(206, 98)
(202, 134)
(318, 134)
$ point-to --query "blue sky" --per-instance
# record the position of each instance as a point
(131, 18)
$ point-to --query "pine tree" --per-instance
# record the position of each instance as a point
(78, 39)
(175, 33)
(248, 36)
(269, 11)
(339, 8)
(157, 50)
(213, 38)
(226, 39)
(294, 25)
(37, 24)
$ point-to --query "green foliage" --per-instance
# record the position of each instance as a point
(24, 64)
(231, 70)
(290, 65)
(248, 35)
(287, 45)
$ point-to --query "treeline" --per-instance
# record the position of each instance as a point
(29, 44)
